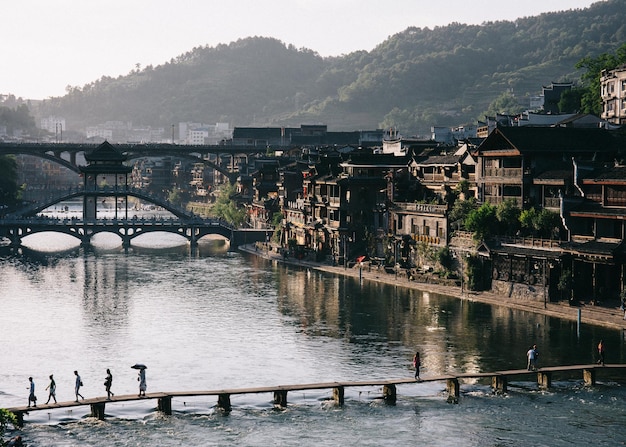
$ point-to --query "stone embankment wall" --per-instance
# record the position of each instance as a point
(525, 292)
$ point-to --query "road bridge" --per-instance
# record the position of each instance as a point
(499, 382)
(68, 154)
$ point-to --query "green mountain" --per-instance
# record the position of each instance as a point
(417, 78)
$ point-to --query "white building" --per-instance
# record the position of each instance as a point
(613, 92)
(200, 133)
(53, 124)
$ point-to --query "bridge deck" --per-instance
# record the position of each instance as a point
(20, 411)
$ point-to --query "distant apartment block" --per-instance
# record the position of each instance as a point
(613, 92)
(124, 132)
(200, 133)
(53, 124)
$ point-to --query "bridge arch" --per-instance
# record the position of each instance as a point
(106, 192)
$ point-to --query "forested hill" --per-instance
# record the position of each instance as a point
(417, 78)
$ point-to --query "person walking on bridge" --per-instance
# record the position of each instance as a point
(77, 386)
(52, 390)
(31, 395)
(531, 354)
(107, 384)
(601, 353)
(142, 382)
(416, 364)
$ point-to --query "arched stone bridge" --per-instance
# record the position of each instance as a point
(36, 208)
(66, 153)
(25, 222)
(15, 229)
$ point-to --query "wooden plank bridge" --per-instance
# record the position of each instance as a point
(499, 383)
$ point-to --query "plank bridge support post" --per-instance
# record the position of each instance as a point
(164, 405)
(389, 393)
(280, 398)
(589, 377)
(499, 384)
(223, 402)
(452, 385)
(97, 410)
(19, 416)
(544, 380)
(338, 395)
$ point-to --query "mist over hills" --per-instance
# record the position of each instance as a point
(417, 78)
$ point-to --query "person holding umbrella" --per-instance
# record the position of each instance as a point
(142, 378)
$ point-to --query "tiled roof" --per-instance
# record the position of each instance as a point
(595, 247)
(105, 152)
(614, 173)
(552, 139)
(437, 160)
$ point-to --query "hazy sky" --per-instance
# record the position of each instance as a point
(46, 45)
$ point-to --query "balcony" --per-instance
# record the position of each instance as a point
(438, 178)
(503, 172)
(496, 200)
(551, 202)
(422, 207)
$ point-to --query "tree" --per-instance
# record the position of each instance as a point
(8, 181)
(543, 223)
(547, 223)
(6, 418)
(226, 208)
(591, 102)
(506, 104)
(481, 221)
(460, 210)
(570, 101)
(508, 214)
(527, 219)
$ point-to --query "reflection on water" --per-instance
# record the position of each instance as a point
(59, 243)
(215, 319)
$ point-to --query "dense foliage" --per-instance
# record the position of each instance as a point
(8, 182)
(590, 96)
(226, 208)
(13, 120)
(6, 418)
(16, 119)
(420, 77)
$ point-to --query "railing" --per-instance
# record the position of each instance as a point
(530, 242)
(503, 172)
(434, 178)
(552, 202)
(495, 200)
(422, 207)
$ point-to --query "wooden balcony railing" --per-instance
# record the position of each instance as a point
(503, 172)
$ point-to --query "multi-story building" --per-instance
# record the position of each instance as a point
(55, 125)
(613, 93)
(595, 253)
(512, 161)
(552, 96)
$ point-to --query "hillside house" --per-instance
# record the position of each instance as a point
(613, 94)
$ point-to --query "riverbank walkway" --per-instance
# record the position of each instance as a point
(608, 317)
(499, 384)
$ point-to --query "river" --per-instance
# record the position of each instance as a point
(219, 319)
